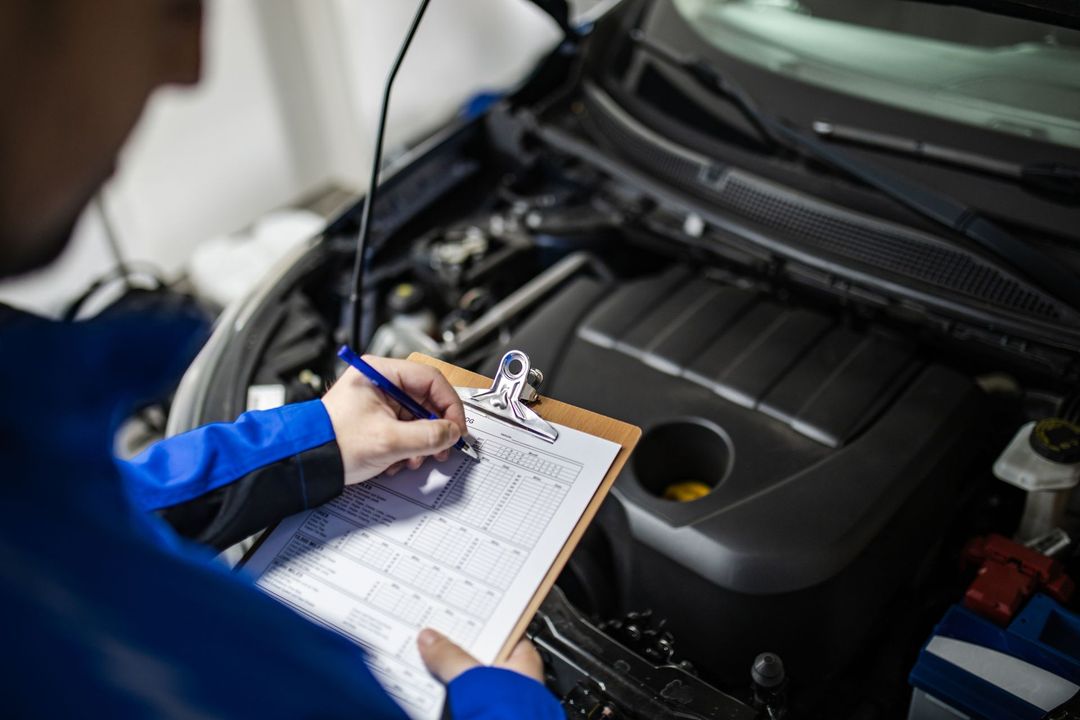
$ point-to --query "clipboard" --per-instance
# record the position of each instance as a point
(623, 434)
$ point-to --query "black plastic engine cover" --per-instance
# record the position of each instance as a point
(831, 454)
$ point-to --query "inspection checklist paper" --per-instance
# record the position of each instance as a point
(459, 546)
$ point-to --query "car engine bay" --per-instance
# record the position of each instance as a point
(824, 391)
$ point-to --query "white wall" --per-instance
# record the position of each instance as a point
(464, 46)
(288, 104)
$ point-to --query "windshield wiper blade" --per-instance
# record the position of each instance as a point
(928, 202)
(1053, 178)
(706, 75)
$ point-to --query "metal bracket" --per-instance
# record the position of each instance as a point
(514, 385)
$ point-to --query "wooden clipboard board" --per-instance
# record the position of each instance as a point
(625, 435)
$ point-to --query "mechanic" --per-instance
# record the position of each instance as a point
(110, 612)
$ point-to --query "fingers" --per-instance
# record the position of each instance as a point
(412, 441)
(446, 660)
(414, 463)
(376, 435)
(525, 660)
(443, 658)
(424, 383)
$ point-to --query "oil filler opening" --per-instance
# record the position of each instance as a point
(682, 460)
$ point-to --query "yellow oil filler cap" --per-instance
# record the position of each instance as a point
(686, 491)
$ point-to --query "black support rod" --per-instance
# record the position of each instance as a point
(355, 315)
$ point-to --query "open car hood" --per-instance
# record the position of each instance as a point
(1065, 13)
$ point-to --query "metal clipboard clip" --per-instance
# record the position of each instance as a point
(514, 385)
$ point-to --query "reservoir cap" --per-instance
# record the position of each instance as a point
(1057, 440)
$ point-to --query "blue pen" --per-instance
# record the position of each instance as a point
(380, 381)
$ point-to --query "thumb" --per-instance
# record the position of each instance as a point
(443, 658)
(525, 660)
(422, 437)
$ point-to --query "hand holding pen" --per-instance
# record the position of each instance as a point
(377, 433)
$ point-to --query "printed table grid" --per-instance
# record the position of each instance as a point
(471, 598)
(494, 564)
(531, 460)
(528, 511)
(446, 542)
(400, 603)
(418, 573)
(369, 549)
(473, 495)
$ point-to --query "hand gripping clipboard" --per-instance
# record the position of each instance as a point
(493, 401)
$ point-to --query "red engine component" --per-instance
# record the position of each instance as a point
(1009, 574)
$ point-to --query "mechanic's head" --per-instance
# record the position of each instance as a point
(75, 76)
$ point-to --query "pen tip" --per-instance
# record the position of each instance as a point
(469, 450)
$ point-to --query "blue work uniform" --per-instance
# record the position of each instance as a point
(110, 613)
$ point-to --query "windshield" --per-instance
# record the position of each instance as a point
(986, 70)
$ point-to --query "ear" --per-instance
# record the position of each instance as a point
(182, 40)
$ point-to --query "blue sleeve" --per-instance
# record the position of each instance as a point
(188, 466)
(487, 693)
